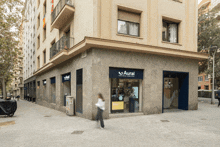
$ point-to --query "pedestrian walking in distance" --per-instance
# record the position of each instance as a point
(218, 97)
(101, 107)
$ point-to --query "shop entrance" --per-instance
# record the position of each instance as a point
(125, 90)
(175, 90)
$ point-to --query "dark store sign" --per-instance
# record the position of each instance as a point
(66, 77)
(125, 73)
(53, 80)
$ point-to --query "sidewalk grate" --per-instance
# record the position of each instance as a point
(47, 116)
(77, 132)
(203, 119)
(164, 120)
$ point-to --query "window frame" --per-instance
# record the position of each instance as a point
(170, 22)
(38, 21)
(200, 78)
(206, 78)
(127, 26)
(45, 32)
(45, 56)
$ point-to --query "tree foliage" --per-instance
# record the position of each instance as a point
(208, 37)
(10, 20)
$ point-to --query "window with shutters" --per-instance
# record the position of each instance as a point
(129, 23)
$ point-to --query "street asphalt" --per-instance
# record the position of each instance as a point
(38, 126)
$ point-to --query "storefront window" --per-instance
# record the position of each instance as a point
(66, 87)
(53, 90)
(124, 95)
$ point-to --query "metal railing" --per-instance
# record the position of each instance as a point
(206, 93)
(59, 7)
(63, 43)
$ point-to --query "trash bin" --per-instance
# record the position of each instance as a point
(70, 105)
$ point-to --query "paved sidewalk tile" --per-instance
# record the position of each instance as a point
(38, 126)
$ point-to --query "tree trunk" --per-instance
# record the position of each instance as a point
(4, 89)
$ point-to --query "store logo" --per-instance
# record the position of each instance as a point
(126, 74)
(45, 82)
(66, 77)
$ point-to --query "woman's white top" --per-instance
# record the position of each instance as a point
(101, 104)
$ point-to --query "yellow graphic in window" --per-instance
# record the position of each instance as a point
(118, 105)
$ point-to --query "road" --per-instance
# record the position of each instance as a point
(38, 126)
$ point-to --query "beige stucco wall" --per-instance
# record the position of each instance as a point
(97, 18)
(152, 12)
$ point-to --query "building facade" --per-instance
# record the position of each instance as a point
(17, 83)
(142, 56)
(29, 47)
(204, 82)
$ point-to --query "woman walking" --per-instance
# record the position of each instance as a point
(101, 107)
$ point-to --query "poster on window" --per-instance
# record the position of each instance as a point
(117, 105)
(135, 92)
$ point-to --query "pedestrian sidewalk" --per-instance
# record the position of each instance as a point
(37, 126)
(207, 100)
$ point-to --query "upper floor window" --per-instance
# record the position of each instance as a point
(38, 62)
(200, 79)
(206, 78)
(38, 21)
(38, 42)
(45, 7)
(128, 23)
(38, 3)
(44, 53)
(170, 31)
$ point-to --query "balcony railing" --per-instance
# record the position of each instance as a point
(59, 7)
(63, 43)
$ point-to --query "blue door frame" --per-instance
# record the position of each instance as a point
(183, 99)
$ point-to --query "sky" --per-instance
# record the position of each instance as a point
(199, 1)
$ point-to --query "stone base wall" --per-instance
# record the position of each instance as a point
(96, 79)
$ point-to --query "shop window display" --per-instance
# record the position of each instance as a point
(124, 95)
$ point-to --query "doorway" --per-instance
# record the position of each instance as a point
(175, 91)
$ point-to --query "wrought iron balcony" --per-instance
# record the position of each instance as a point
(62, 13)
(63, 43)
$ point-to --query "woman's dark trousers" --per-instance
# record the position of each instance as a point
(99, 117)
(218, 102)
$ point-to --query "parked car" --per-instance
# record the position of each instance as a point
(8, 107)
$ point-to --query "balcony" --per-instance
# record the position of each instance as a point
(63, 44)
(62, 13)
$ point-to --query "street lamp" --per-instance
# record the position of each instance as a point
(213, 49)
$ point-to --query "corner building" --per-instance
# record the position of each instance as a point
(142, 56)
